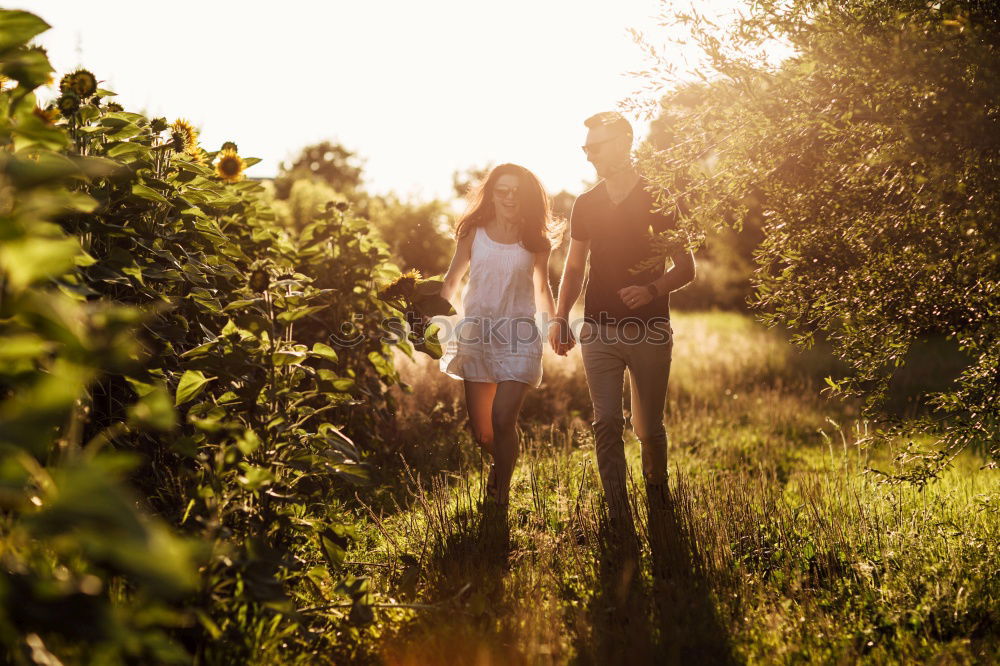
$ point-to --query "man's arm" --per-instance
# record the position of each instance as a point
(679, 275)
(570, 286)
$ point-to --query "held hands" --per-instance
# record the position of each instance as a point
(560, 336)
(634, 296)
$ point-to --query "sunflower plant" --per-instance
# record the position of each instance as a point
(163, 337)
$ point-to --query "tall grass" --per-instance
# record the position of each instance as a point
(773, 545)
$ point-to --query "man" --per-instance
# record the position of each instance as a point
(626, 315)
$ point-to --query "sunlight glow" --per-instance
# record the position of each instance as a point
(417, 89)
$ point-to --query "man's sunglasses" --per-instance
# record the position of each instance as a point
(594, 147)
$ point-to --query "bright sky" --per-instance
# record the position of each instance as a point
(419, 88)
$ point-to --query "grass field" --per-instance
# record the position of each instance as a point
(775, 545)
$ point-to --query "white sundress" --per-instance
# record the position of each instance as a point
(497, 338)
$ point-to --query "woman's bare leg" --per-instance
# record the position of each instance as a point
(506, 408)
(479, 403)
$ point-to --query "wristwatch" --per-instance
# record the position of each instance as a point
(653, 291)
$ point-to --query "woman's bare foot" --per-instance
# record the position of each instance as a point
(491, 484)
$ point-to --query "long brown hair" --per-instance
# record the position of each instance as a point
(536, 229)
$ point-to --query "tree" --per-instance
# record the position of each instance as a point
(725, 260)
(463, 181)
(417, 233)
(872, 155)
(327, 162)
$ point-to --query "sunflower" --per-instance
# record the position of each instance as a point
(114, 107)
(230, 166)
(177, 142)
(47, 116)
(403, 287)
(229, 145)
(188, 135)
(81, 82)
(259, 280)
(68, 103)
(196, 155)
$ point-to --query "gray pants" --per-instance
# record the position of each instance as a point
(607, 351)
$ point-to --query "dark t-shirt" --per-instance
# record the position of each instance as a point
(620, 237)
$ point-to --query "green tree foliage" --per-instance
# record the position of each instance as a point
(324, 162)
(872, 156)
(419, 234)
(725, 260)
(305, 202)
(163, 337)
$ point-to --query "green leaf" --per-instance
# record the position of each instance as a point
(200, 350)
(48, 167)
(18, 27)
(29, 260)
(127, 148)
(191, 384)
(433, 306)
(134, 271)
(299, 313)
(19, 347)
(430, 344)
(254, 477)
(28, 416)
(33, 131)
(248, 442)
(237, 305)
(144, 192)
(324, 351)
(126, 132)
(288, 357)
(344, 384)
(154, 410)
(429, 287)
(381, 364)
(29, 68)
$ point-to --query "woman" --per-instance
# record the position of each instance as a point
(504, 240)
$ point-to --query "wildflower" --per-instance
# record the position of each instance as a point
(81, 82)
(230, 166)
(188, 134)
(68, 103)
(259, 280)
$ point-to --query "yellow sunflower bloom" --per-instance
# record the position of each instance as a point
(230, 166)
(196, 155)
(187, 132)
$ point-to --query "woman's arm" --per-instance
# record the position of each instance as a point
(459, 265)
(543, 291)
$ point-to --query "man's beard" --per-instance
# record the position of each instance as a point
(614, 169)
